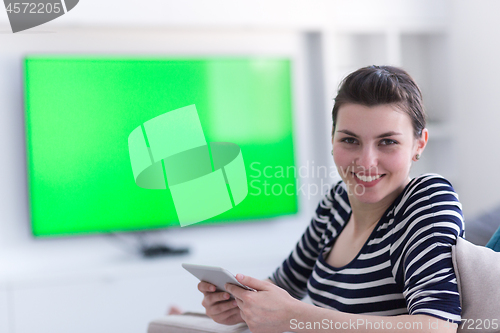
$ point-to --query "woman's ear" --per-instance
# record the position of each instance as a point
(422, 142)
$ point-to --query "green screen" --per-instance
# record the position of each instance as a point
(81, 110)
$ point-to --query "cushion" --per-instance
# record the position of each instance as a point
(191, 322)
(478, 277)
(494, 242)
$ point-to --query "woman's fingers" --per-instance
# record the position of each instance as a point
(221, 307)
(205, 287)
(234, 319)
(174, 310)
(228, 317)
(212, 298)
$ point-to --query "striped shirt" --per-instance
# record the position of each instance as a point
(405, 266)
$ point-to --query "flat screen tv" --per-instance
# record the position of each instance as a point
(81, 110)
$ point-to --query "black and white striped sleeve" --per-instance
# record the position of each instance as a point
(421, 252)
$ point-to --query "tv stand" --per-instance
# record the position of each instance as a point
(153, 251)
(149, 244)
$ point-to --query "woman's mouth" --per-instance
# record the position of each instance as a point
(368, 181)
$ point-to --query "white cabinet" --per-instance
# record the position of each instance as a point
(119, 305)
(425, 55)
(108, 304)
(89, 285)
(4, 310)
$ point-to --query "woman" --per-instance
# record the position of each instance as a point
(377, 254)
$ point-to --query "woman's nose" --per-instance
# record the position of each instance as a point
(368, 158)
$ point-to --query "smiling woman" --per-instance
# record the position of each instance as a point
(378, 249)
(374, 144)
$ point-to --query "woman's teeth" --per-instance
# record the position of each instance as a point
(368, 179)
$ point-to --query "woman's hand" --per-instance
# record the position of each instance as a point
(267, 310)
(219, 306)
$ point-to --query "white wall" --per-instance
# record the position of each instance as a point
(296, 14)
(475, 80)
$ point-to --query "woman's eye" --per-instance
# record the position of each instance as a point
(387, 142)
(349, 140)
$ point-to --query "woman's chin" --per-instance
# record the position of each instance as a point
(365, 194)
(368, 199)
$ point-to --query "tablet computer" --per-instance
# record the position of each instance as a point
(217, 276)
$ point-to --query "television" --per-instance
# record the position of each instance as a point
(81, 111)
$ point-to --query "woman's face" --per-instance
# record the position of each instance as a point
(373, 148)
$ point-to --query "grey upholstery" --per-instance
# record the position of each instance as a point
(478, 276)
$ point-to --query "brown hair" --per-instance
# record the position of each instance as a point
(376, 85)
